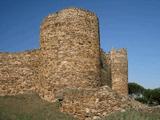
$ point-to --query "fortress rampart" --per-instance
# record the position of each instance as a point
(18, 72)
(114, 70)
(119, 71)
(69, 57)
(70, 50)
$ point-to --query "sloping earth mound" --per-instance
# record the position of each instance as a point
(133, 115)
(29, 107)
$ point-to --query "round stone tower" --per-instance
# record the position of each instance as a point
(119, 71)
(70, 50)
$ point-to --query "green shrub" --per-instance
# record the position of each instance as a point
(147, 96)
(142, 100)
(135, 88)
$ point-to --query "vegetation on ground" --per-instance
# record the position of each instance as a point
(148, 96)
(132, 115)
(29, 107)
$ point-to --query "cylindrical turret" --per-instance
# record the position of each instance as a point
(119, 71)
(70, 50)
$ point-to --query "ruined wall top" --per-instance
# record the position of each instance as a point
(122, 51)
(69, 12)
(119, 55)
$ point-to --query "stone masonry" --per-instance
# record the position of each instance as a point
(114, 70)
(119, 71)
(69, 58)
(18, 72)
(70, 50)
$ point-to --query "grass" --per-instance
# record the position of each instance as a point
(29, 107)
(133, 115)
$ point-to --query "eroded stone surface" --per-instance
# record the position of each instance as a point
(90, 104)
(18, 72)
(70, 50)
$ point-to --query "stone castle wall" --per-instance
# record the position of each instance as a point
(108, 70)
(114, 70)
(70, 50)
(119, 71)
(17, 72)
(68, 57)
(105, 69)
(69, 66)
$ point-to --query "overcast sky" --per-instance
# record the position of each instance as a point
(131, 24)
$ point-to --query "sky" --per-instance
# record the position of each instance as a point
(131, 24)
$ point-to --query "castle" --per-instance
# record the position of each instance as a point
(69, 57)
